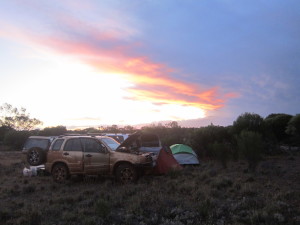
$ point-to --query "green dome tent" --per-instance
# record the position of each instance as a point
(184, 154)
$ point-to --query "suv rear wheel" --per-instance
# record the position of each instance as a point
(126, 173)
(60, 173)
(36, 156)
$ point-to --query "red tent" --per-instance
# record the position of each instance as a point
(166, 162)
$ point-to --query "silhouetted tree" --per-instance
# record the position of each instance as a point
(250, 145)
(53, 131)
(248, 121)
(172, 124)
(128, 129)
(293, 128)
(17, 119)
(16, 139)
(204, 137)
(276, 125)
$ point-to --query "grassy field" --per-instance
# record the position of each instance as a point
(206, 194)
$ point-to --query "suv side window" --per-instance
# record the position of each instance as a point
(73, 145)
(91, 145)
(57, 144)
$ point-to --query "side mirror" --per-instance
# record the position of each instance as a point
(123, 149)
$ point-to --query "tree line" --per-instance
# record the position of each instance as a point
(250, 136)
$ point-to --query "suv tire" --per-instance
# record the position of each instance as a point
(36, 156)
(126, 173)
(60, 173)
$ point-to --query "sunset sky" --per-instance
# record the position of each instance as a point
(92, 63)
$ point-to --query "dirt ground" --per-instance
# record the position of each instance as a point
(207, 194)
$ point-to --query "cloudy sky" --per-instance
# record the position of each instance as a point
(89, 63)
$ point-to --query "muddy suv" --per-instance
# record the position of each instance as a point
(86, 155)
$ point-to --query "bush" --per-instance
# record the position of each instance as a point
(275, 126)
(53, 131)
(220, 151)
(16, 139)
(3, 131)
(250, 145)
(293, 128)
(248, 121)
(102, 208)
(204, 137)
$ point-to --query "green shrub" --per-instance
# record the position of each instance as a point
(293, 129)
(205, 208)
(204, 137)
(102, 208)
(174, 173)
(4, 216)
(250, 145)
(16, 139)
(248, 121)
(29, 189)
(220, 151)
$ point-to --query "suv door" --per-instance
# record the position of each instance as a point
(96, 156)
(73, 155)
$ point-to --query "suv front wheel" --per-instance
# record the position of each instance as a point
(126, 173)
(60, 173)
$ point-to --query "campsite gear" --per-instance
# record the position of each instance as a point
(184, 154)
(33, 171)
(165, 162)
(27, 172)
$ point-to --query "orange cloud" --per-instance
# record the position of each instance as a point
(106, 51)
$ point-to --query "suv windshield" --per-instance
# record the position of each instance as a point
(36, 142)
(110, 142)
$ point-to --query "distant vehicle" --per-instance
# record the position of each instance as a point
(118, 137)
(112, 143)
(35, 149)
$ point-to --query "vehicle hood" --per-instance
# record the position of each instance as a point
(128, 141)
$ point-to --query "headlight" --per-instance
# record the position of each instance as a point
(148, 158)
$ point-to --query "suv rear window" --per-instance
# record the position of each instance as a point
(37, 142)
(73, 145)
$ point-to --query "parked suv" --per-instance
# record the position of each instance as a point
(86, 155)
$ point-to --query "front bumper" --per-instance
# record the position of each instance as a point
(147, 165)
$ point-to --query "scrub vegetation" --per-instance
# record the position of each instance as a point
(207, 194)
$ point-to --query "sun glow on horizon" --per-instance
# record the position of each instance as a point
(71, 93)
(74, 82)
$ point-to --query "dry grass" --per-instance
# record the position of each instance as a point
(206, 194)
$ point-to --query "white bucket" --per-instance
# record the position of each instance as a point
(27, 172)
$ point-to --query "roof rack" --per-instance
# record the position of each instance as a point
(88, 134)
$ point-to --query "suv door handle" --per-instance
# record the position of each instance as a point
(88, 155)
(66, 153)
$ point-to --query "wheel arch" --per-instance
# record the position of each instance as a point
(62, 163)
(120, 163)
